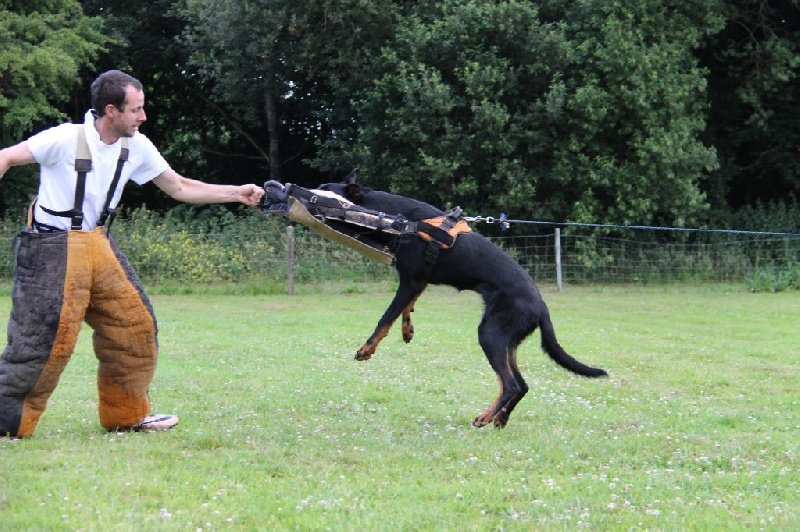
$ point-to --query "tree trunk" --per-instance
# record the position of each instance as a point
(272, 129)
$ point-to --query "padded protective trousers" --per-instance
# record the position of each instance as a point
(62, 280)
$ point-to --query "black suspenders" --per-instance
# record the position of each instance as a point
(83, 165)
(109, 213)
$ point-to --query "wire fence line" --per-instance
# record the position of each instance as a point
(585, 253)
(608, 259)
(578, 253)
(506, 223)
(613, 253)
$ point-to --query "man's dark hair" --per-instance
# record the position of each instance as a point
(109, 88)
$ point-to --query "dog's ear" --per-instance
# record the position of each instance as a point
(351, 177)
(353, 193)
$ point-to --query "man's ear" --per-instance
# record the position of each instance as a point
(353, 193)
(110, 110)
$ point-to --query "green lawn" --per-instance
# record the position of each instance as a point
(696, 428)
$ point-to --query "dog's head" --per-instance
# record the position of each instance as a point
(348, 189)
(380, 201)
(277, 194)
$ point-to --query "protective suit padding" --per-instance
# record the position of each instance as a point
(61, 280)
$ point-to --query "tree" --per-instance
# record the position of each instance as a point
(634, 109)
(561, 109)
(458, 107)
(197, 136)
(588, 111)
(44, 45)
(286, 81)
(754, 120)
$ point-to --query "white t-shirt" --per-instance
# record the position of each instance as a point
(54, 150)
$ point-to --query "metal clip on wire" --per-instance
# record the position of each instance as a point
(504, 222)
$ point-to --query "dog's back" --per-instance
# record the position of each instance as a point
(380, 201)
(470, 265)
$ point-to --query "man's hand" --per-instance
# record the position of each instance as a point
(250, 194)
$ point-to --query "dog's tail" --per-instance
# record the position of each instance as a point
(562, 358)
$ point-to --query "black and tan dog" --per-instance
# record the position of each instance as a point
(514, 308)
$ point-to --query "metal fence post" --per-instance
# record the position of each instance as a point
(558, 259)
(290, 261)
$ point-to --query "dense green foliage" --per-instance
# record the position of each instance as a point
(45, 45)
(753, 88)
(487, 106)
(630, 111)
(634, 101)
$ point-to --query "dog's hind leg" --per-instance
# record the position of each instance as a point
(408, 327)
(403, 300)
(512, 389)
(501, 419)
(501, 351)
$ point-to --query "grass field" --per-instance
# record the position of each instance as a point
(697, 427)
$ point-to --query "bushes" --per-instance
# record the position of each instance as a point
(774, 279)
(202, 248)
(213, 246)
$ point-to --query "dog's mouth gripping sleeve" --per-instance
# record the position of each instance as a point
(297, 204)
(355, 227)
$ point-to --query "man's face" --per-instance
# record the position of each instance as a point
(127, 121)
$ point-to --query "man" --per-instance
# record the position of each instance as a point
(69, 270)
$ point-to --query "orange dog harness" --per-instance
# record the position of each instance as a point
(442, 230)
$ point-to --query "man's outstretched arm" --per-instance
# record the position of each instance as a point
(194, 191)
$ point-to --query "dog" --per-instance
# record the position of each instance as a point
(513, 306)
